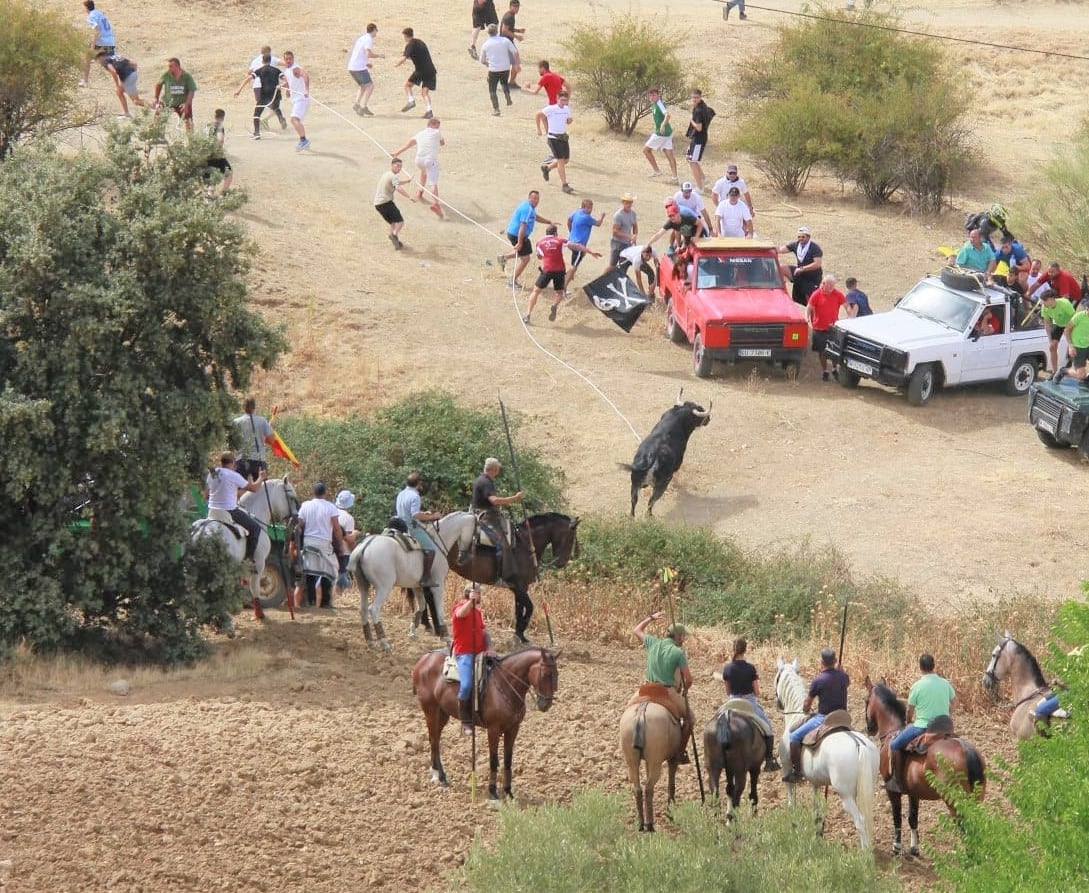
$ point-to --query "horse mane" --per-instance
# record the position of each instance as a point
(1034, 665)
(547, 518)
(890, 702)
(795, 684)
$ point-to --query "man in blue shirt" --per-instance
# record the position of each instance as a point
(102, 39)
(858, 304)
(579, 225)
(519, 230)
(975, 254)
(1013, 254)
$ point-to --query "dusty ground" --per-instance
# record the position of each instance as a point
(310, 771)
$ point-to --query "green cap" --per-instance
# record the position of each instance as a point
(677, 629)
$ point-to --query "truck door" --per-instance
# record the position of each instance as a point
(987, 351)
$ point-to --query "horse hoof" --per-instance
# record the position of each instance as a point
(914, 851)
(897, 849)
(412, 632)
(386, 646)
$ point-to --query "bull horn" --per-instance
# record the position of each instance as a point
(701, 415)
(680, 394)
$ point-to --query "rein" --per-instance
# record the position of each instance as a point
(508, 680)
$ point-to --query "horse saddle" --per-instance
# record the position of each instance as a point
(237, 530)
(836, 721)
(482, 668)
(938, 728)
(656, 693)
(486, 536)
(403, 539)
(742, 708)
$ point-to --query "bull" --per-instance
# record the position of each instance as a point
(662, 452)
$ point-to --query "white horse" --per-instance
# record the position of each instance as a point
(380, 562)
(845, 761)
(274, 501)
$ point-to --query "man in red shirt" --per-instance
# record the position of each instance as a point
(470, 639)
(553, 269)
(1062, 283)
(551, 82)
(822, 311)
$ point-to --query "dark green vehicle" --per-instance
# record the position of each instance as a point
(1060, 414)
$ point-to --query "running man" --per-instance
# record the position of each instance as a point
(662, 138)
(557, 118)
(553, 270)
(296, 81)
(389, 184)
(423, 74)
(427, 143)
(123, 73)
(359, 66)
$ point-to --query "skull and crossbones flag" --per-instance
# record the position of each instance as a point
(618, 297)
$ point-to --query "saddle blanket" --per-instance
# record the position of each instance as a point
(656, 693)
(237, 530)
(744, 708)
(404, 540)
(318, 558)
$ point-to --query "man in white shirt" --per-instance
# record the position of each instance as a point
(500, 56)
(734, 216)
(359, 65)
(687, 197)
(556, 118)
(721, 190)
(318, 527)
(344, 501)
(223, 485)
(297, 81)
(427, 143)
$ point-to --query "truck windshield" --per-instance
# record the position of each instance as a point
(737, 272)
(939, 305)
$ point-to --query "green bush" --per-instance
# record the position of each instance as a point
(589, 846)
(1058, 212)
(613, 67)
(1042, 844)
(427, 432)
(779, 137)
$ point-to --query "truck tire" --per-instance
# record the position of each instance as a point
(1049, 440)
(1021, 376)
(922, 384)
(848, 379)
(964, 280)
(701, 361)
(273, 583)
(673, 329)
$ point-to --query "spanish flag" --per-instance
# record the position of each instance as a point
(279, 448)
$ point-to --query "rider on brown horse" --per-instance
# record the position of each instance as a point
(666, 663)
(931, 696)
(470, 639)
(486, 504)
(743, 681)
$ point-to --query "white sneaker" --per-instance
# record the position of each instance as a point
(653, 175)
(1061, 714)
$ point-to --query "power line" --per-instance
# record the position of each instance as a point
(873, 25)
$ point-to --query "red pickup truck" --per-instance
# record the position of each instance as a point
(731, 304)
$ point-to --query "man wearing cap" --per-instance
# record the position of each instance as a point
(344, 501)
(734, 216)
(721, 190)
(253, 434)
(318, 528)
(682, 224)
(829, 689)
(806, 273)
(687, 197)
(222, 486)
(625, 228)
(408, 509)
(662, 138)
(486, 503)
(667, 665)
(470, 638)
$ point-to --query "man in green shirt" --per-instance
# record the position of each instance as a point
(931, 696)
(175, 90)
(1077, 335)
(667, 665)
(1056, 312)
(662, 138)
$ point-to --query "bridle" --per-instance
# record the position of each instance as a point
(991, 672)
(551, 668)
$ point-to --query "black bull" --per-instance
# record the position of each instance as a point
(662, 452)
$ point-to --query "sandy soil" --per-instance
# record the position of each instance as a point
(311, 773)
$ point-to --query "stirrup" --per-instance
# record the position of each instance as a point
(682, 759)
(793, 777)
(466, 730)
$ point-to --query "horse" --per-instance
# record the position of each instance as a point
(1010, 659)
(380, 562)
(948, 760)
(549, 529)
(502, 705)
(845, 761)
(738, 749)
(274, 500)
(649, 734)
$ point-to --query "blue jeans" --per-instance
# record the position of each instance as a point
(421, 536)
(465, 675)
(905, 737)
(806, 727)
(757, 709)
(1048, 706)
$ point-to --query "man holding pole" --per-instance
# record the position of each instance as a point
(486, 504)
(667, 665)
(829, 689)
(254, 433)
(470, 639)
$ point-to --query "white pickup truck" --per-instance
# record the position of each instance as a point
(936, 336)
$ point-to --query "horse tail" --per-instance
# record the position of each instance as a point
(866, 785)
(974, 766)
(355, 565)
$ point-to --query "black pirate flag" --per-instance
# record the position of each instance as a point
(620, 299)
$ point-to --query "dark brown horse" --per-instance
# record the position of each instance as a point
(947, 760)
(503, 705)
(736, 748)
(550, 529)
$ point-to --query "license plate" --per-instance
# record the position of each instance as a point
(860, 367)
(754, 352)
(1047, 425)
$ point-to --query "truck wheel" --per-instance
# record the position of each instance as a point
(273, 584)
(701, 361)
(848, 379)
(673, 329)
(793, 369)
(922, 384)
(1021, 376)
(1049, 440)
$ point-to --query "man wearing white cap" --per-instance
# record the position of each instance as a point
(344, 501)
(687, 197)
(808, 272)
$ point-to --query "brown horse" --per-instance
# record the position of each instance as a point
(947, 760)
(649, 734)
(736, 748)
(503, 704)
(550, 529)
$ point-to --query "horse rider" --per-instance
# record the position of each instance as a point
(408, 509)
(667, 665)
(829, 689)
(254, 434)
(222, 486)
(486, 504)
(318, 528)
(743, 681)
(470, 638)
(930, 697)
